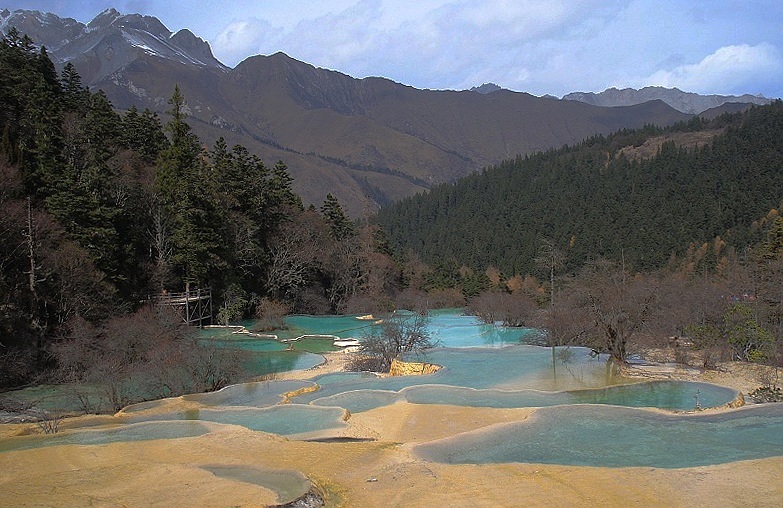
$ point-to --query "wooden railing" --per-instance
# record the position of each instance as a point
(195, 306)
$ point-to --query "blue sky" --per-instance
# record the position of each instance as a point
(541, 47)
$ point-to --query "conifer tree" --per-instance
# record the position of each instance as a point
(143, 133)
(81, 195)
(30, 111)
(339, 223)
(75, 96)
(185, 186)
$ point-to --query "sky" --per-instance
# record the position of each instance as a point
(541, 47)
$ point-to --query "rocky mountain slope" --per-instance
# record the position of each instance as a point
(368, 141)
(108, 42)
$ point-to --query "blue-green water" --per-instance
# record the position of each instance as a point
(255, 394)
(673, 395)
(341, 326)
(284, 419)
(448, 326)
(582, 420)
(258, 394)
(288, 485)
(609, 436)
(268, 356)
(261, 364)
(515, 376)
(142, 431)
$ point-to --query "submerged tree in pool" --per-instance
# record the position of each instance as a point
(397, 336)
(611, 307)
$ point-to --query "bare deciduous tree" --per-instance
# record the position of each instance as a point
(78, 286)
(550, 258)
(294, 253)
(686, 320)
(148, 354)
(607, 308)
(566, 323)
(510, 309)
(161, 242)
(620, 306)
(398, 335)
(270, 315)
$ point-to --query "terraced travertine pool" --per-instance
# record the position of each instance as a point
(588, 415)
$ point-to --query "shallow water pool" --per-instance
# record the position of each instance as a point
(256, 394)
(508, 368)
(287, 485)
(609, 436)
(582, 421)
(142, 431)
(671, 395)
(284, 419)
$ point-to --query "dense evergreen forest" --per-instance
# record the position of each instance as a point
(101, 210)
(605, 198)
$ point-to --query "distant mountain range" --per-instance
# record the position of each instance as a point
(367, 141)
(685, 102)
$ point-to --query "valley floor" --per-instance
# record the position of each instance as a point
(381, 472)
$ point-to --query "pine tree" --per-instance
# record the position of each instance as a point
(340, 225)
(75, 96)
(185, 185)
(30, 111)
(143, 133)
(82, 195)
(178, 159)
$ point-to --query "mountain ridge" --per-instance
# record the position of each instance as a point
(368, 141)
(109, 41)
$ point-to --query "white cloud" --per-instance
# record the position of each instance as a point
(239, 39)
(508, 19)
(429, 44)
(551, 47)
(728, 68)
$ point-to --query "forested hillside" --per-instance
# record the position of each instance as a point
(606, 198)
(100, 211)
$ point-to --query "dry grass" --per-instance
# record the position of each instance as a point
(649, 148)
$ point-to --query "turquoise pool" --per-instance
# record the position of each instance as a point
(142, 431)
(672, 395)
(588, 415)
(609, 436)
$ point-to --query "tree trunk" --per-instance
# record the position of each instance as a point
(35, 318)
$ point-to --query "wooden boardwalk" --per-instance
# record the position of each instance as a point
(194, 306)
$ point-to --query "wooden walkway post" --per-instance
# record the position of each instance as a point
(195, 306)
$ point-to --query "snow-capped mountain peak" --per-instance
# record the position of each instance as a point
(109, 42)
